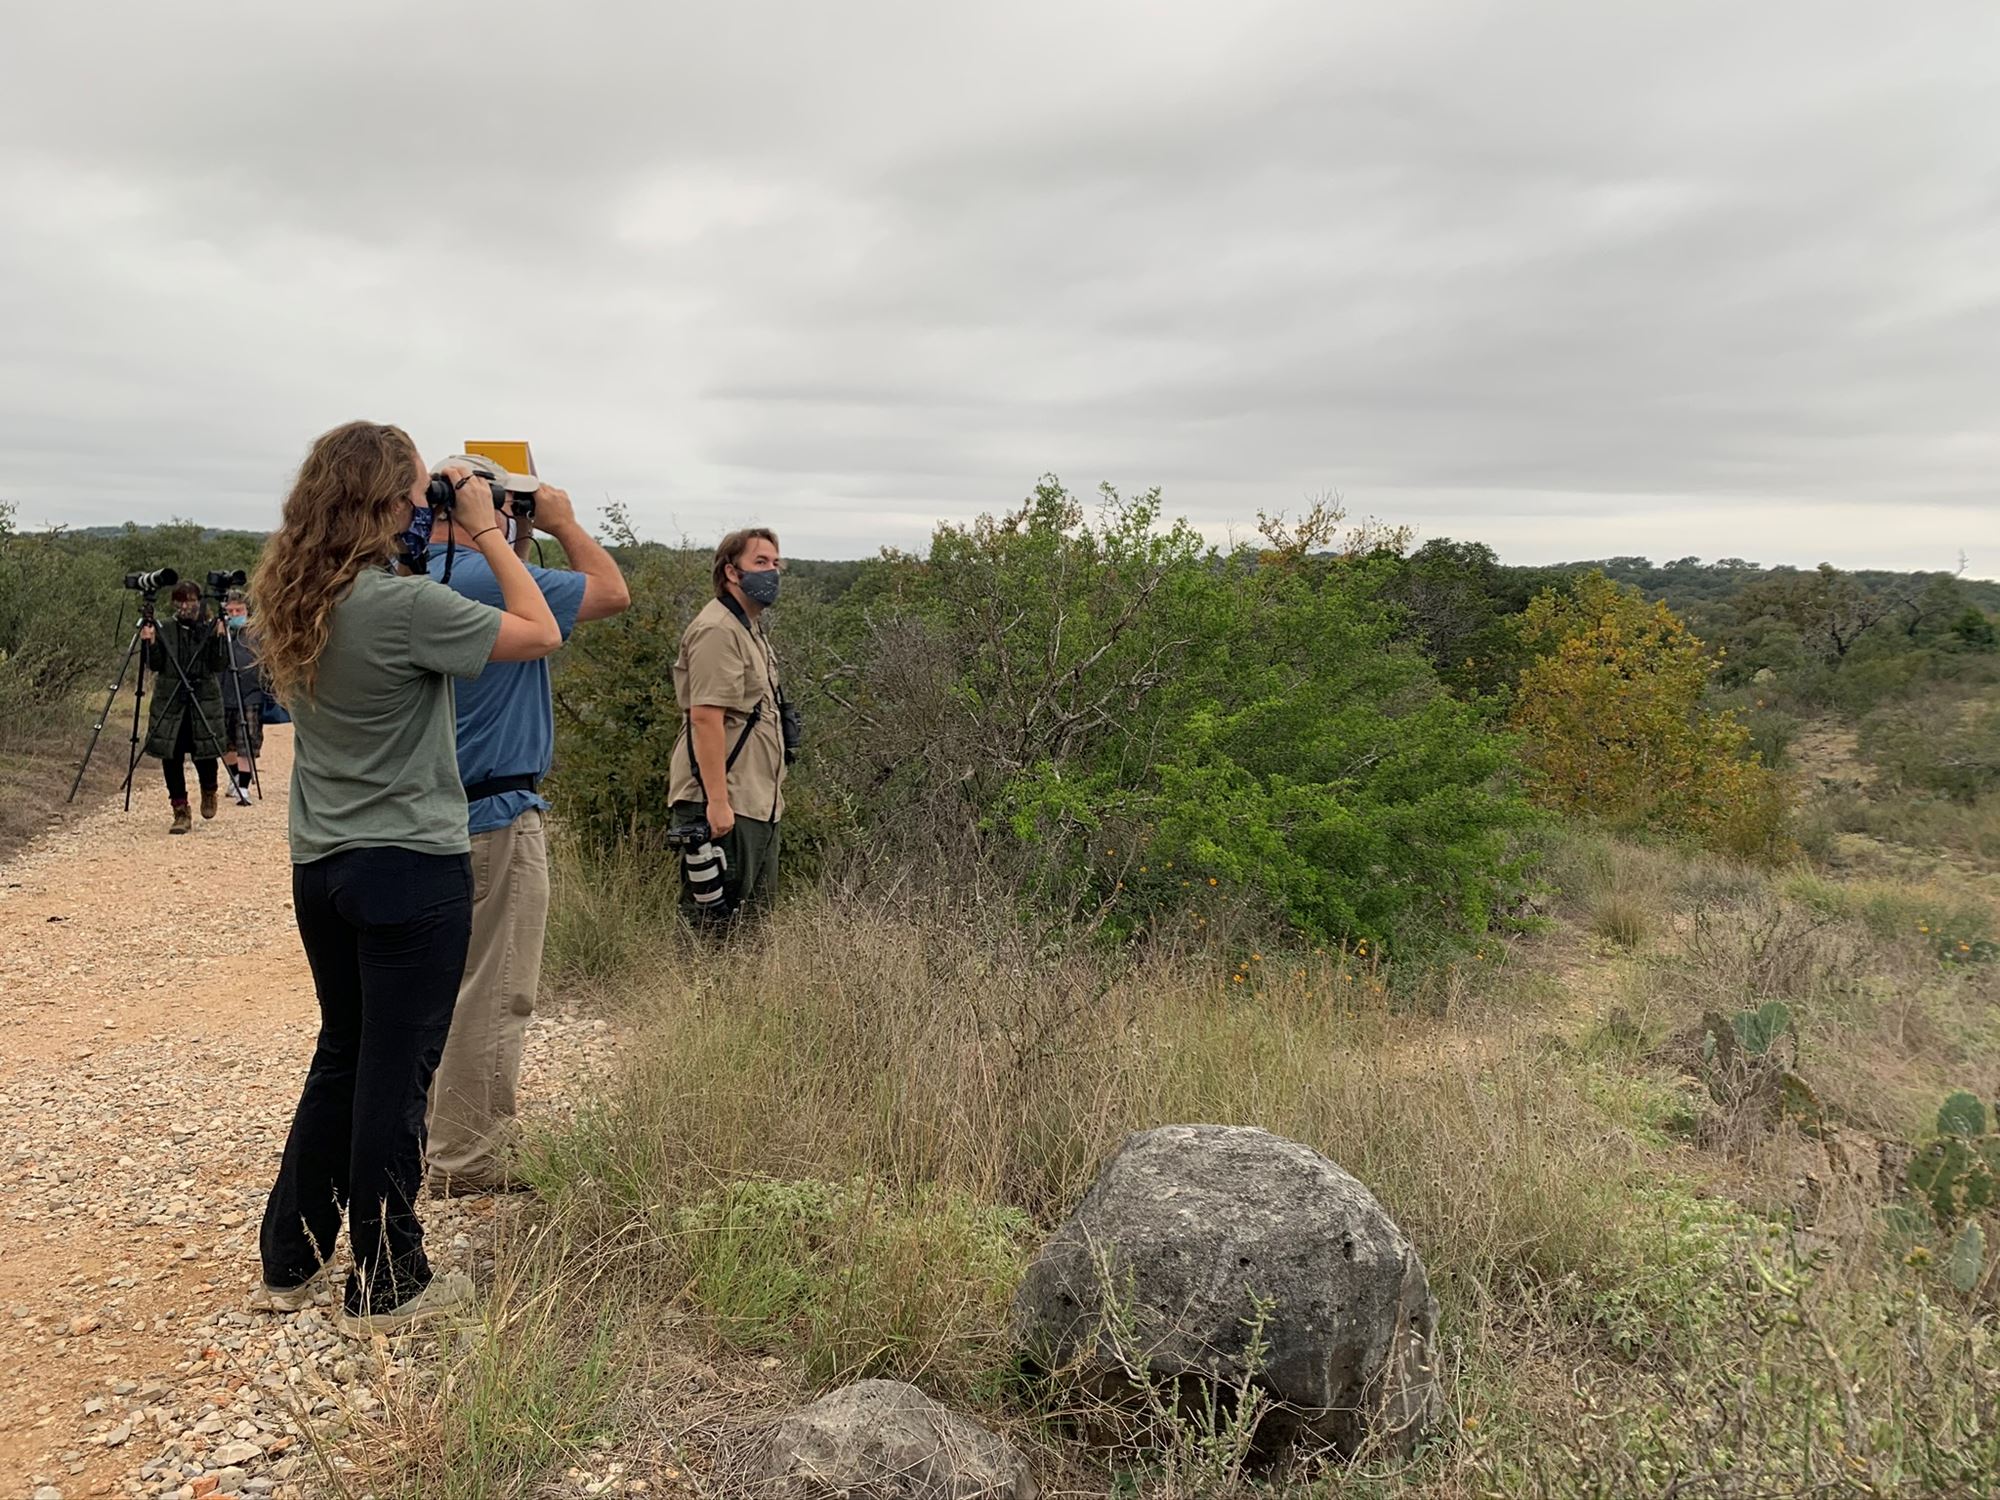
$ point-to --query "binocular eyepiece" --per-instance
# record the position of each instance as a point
(153, 582)
(441, 497)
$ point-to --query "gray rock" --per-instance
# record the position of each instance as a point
(235, 1453)
(883, 1440)
(1194, 1224)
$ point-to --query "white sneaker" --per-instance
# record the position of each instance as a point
(445, 1293)
(242, 797)
(268, 1298)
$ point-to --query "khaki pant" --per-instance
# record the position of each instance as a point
(471, 1117)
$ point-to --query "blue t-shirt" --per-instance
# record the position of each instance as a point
(506, 718)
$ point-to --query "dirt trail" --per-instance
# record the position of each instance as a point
(157, 1017)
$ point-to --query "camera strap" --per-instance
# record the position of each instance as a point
(757, 639)
(735, 750)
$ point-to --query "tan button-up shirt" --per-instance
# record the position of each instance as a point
(723, 665)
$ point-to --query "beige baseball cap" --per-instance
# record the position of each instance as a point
(518, 484)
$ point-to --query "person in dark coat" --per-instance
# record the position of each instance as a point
(187, 653)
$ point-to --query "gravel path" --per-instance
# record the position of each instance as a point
(158, 1017)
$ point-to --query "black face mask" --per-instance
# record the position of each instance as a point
(761, 588)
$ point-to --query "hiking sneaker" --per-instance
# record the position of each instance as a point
(183, 822)
(455, 1185)
(242, 797)
(208, 802)
(445, 1293)
(268, 1298)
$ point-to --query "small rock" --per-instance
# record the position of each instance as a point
(882, 1437)
(229, 1454)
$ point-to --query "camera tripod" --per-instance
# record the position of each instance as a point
(242, 715)
(148, 619)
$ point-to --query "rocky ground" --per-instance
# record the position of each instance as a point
(158, 1016)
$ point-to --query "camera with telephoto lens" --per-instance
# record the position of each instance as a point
(221, 580)
(682, 837)
(151, 583)
(791, 730)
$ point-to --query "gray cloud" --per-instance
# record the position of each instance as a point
(1573, 278)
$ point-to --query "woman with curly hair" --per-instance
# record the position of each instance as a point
(381, 877)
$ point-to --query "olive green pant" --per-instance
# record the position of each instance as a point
(749, 868)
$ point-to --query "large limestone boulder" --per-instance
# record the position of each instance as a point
(883, 1440)
(1188, 1228)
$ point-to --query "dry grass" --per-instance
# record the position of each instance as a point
(38, 764)
(834, 1145)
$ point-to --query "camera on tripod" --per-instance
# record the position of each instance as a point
(149, 584)
(221, 580)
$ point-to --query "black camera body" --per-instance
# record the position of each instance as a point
(151, 583)
(221, 581)
(682, 837)
(792, 731)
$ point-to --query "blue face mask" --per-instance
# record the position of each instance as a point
(237, 622)
(413, 546)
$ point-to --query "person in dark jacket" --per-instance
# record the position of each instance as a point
(242, 697)
(187, 654)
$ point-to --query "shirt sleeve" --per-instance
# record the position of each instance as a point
(717, 675)
(450, 633)
(563, 588)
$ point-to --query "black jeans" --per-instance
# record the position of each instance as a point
(385, 931)
(177, 779)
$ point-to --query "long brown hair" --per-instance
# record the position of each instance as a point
(342, 516)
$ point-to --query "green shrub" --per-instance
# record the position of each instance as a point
(1098, 716)
(1936, 744)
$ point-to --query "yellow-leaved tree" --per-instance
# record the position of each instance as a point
(1612, 724)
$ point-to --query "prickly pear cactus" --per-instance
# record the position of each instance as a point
(1955, 1175)
(1968, 1258)
(1759, 1030)
(1962, 1115)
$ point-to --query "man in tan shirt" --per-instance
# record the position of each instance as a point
(732, 774)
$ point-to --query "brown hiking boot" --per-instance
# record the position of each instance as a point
(208, 802)
(183, 822)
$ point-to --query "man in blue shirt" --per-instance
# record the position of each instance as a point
(506, 743)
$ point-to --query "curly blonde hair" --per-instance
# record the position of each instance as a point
(342, 516)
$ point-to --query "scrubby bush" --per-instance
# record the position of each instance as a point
(65, 620)
(1094, 714)
(1125, 721)
(1937, 743)
(1612, 715)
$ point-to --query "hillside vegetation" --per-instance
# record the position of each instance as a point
(1637, 952)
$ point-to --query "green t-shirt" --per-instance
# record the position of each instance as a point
(374, 759)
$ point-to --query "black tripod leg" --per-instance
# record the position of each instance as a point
(243, 728)
(105, 717)
(138, 698)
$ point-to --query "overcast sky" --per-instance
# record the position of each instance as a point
(1649, 276)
